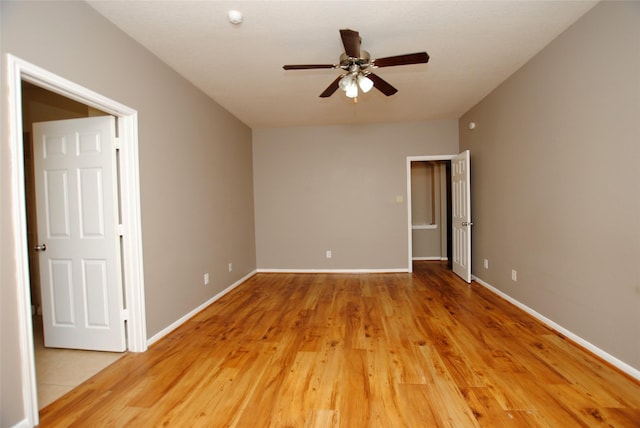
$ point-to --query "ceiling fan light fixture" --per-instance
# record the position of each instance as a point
(365, 83)
(352, 89)
(345, 81)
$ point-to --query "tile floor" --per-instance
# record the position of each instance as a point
(58, 371)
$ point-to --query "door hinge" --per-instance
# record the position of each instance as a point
(116, 143)
(125, 314)
(120, 230)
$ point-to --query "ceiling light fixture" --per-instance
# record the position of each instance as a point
(365, 83)
(355, 79)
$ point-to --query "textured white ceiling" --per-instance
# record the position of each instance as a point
(473, 45)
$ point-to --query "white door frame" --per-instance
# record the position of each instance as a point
(409, 229)
(132, 264)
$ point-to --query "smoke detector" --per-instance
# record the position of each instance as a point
(235, 17)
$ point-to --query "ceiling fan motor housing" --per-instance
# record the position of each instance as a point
(355, 64)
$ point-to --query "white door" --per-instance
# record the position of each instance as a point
(461, 215)
(78, 240)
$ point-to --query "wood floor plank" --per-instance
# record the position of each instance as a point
(354, 408)
(416, 406)
(323, 419)
(487, 411)
(356, 350)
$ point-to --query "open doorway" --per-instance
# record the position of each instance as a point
(458, 194)
(133, 278)
(57, 370)
(41, 105)
(431, 211)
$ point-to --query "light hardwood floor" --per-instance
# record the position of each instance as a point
(376, 350)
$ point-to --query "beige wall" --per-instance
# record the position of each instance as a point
(335, 188)
(555, 179)
(195, 168)
(423, 192)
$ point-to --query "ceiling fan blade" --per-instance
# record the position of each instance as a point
(351, 41)
(331, 88)
(382, 85)
(414, 58)
(307, 66)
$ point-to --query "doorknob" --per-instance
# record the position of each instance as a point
(42, 247)
(467, 223)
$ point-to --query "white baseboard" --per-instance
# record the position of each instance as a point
(631, 371)
(22, 424)
(355, 271)
(437, 258)
(191, 314)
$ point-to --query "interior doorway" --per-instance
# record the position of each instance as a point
(20, 71)
(431, 211)
(459, 194)
(41, 105)
(57, 370)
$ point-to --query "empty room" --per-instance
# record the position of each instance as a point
(320, 213)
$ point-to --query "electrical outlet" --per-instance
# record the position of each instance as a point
(329, 254)
(206, 279)
(514, 275)
(230, 267)
(486, 264)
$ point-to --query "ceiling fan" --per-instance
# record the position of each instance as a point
(357, 65)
